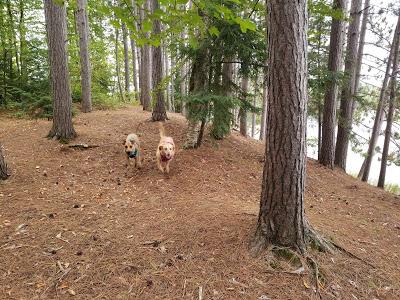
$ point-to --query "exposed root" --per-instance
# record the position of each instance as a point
(340, 248)
(317, 242)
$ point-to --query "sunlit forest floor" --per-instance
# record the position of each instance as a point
(79, 222)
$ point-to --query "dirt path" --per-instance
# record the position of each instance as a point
(80, 222)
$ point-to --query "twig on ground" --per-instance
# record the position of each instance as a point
(200, 293)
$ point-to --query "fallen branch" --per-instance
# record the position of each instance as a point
(83, 146)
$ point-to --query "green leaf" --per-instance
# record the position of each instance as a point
(245, 24)
(213, 31)
(147, 25)
(115, 23)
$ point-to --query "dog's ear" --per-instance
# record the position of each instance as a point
(123, 143)
(160, 147)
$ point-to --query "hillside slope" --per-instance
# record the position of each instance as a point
(80, 222)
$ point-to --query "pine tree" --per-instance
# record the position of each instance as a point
(55, 15)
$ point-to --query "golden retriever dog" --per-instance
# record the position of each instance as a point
(165, 150)
(132, 150)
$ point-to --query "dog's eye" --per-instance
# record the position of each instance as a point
(126, 146)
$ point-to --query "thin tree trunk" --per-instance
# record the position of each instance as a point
(22, 42)
(264, 103)
(253, 115)
(13, 38)
(145, 71)
(327, 155)
(198, 82)
(134, 68)
(126, 59)
(242, 110)
(320, 116)
(56, 25)
(159, 113)
(281, 219)
(168, 89)
(83, 30)
(4, 171)
(265, 85)
(346, 103)
(392, 104)
(360, 52)
(366, 167)
(117, 68)
(134, 57)
(172, 84)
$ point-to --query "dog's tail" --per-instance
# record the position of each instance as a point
(161, 128)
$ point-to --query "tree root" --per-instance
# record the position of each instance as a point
(316, 241)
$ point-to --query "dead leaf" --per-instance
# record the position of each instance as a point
(307, 286)
(71, 292)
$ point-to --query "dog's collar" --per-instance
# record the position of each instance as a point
(133, 154)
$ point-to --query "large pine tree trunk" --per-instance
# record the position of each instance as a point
(159, 112)
(366, 166)
(242, 110)
(327, 155)
(83, 30)
(392, 98)
(4, 172)
(346, 103)
(126, 59)
(56, 26)
(281, 219)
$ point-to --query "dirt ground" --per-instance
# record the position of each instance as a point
(80, 224)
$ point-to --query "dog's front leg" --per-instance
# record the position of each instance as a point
(127, 161)
(167, 167)
(160, 166)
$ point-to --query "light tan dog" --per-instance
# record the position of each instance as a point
(165, 150)
(132, 150)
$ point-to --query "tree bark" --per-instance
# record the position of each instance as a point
(334, 65)
(159, 113)
(346, 103)
(366, 167)
(242, 110)
(392, 104)
(83, 30)
(281, 219)
(4, 171)
(56, 26)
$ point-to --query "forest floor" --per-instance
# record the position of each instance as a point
(79, 223)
